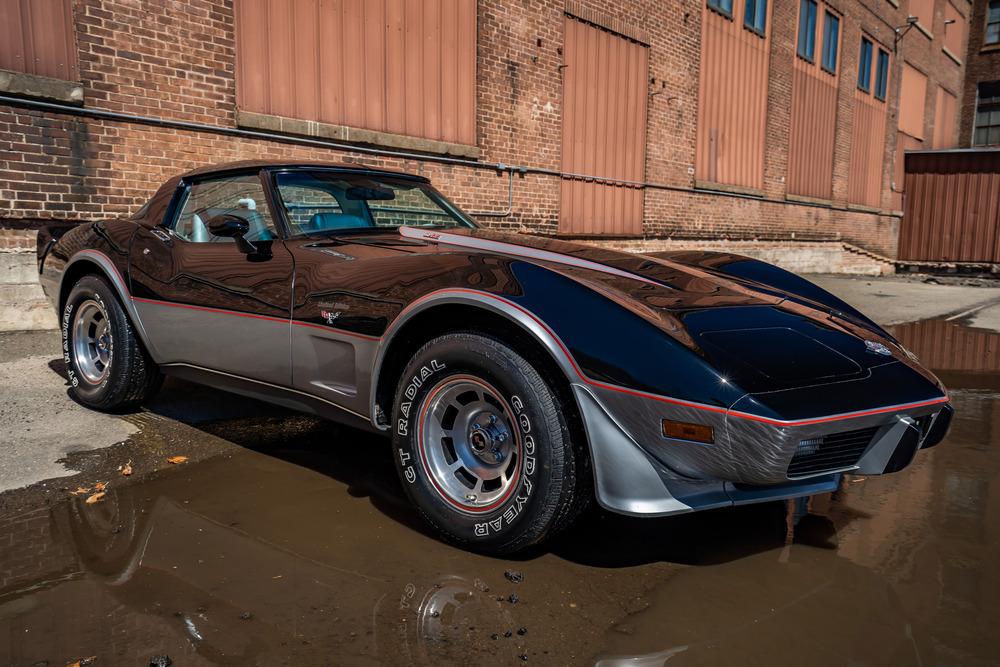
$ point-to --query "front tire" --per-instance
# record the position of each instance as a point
(106, 363)
(482, 445)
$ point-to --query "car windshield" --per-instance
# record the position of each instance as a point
(327, 202)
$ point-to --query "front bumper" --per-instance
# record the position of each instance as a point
(639, 471)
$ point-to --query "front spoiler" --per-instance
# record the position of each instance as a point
(684, 477)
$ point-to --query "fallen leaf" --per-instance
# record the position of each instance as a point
(126, 469)
(100, 486)
(79, 490)
(177, 459)
(82, 662)
(95, 498)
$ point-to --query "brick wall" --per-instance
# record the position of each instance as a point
(148, 57)
(982, 64)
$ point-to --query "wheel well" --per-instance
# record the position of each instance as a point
(449, 318)
(79, 269)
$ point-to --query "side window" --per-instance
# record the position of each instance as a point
(242, 196)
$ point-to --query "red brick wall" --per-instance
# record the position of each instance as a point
(981, 64)
(146, 57)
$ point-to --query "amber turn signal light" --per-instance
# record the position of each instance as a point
(686, 431)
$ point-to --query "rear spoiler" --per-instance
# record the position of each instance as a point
(48, 236)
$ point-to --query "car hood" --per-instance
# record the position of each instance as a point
(762, 337)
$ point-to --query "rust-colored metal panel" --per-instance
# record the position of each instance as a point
(864, 181)
(947, 346)
(954, 32)
(732, 100)
(399, 66)
(813, 128)
(36, 37)
(945, 120)
(912, 100)
(923, 10)
(604, 130)
(951, 209)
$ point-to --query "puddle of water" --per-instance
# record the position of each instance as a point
(299, 549)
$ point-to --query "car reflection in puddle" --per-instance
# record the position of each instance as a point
(299, 549)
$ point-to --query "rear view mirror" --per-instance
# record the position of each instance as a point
(358, 193)
(234, 227)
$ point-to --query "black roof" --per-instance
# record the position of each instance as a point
(246, 165)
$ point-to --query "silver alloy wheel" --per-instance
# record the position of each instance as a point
(468, 444)
(92, 341)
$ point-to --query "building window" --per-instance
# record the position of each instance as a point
(724, 7)
(987, 129)
(831, 39)
(865, 66)
(992, 35)
(755, 17)
(882, 75)
(807, 30)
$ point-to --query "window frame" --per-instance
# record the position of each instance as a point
(827, 15)
(988, 23)
(809, 57)
(995, 104)
(184, 187)
(883, 85)
(716, 6)
(750, 22)
(865, 60)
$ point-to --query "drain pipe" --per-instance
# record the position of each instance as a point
(510, 194)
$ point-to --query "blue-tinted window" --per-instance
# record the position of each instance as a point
(807, 30)
(722, 6)
(831, 39)
(882, 75)
(755, 17)
(865, 65)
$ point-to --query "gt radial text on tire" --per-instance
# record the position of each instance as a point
(482, 445)
(106, 363)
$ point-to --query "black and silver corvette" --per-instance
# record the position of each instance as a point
(517, 376)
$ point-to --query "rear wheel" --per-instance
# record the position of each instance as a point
(106, 363)
(482, 445)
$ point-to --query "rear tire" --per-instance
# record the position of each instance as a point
(106, 363)
(482, 445)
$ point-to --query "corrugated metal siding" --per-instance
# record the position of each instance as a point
(945, 120)
(952, 207)
(946, 346)
(912, 100)
(813, 126)
(604, 130)
(864, 182)
(732, 100)
(400, 66)
(36, 37)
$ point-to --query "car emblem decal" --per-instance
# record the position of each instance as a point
(877, 348)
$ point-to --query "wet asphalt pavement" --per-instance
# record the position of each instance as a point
(286, 540)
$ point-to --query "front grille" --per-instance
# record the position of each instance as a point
(835, 452)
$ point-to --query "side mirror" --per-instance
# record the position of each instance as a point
(233, 227)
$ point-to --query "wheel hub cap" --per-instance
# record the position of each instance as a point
(468, 447)
(91, 342)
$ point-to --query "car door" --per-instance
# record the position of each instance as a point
(205, 302)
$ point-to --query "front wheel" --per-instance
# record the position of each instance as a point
(482, 445)
(106, 363)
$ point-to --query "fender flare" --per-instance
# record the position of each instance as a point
(490, 302)
(118, 283)
(615, 485)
